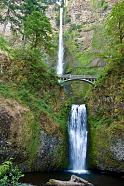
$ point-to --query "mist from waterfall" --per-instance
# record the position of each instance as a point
(61, 46)
(77, 130)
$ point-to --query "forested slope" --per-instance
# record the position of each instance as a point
(106, 100)
(106, 120)
(32, 118)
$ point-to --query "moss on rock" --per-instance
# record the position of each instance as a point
(31, 132)
(105, 106)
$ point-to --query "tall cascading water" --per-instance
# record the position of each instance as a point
(77, 130)
(61, 46)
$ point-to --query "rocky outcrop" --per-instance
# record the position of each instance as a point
(33, 146)
(98, 63)
(88, 11)
(106, 121)
(51, 153)
(15, 121)
(87, 14)
(80, 11)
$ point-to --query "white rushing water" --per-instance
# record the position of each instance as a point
(61, 46)
(77, 130)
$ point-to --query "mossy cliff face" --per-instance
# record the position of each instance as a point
(15, 124)
(35, 146)
(106, 121)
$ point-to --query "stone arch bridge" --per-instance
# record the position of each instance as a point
(70, 77)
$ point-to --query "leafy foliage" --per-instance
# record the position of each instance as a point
(29, 69)
(10, 14)
(79, 60)
(4, 44)
(115, 29)
(15, 12)
(99, 4)
(28, 6)
(9, 174)
(37, 30)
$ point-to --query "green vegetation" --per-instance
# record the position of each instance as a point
(15, 13)
(79, 59)
(99, 4)
(96, 56)
(81, 56)
(108, 40)
(115, 29)
(9, 174)
(4, 45)
(28, 77)
(37, 30)
(22, 80)
(106, 98)
(113, 94)
(107, 43)
(37, 107)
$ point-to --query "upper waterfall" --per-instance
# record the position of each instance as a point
(61, 46)
(77, 130)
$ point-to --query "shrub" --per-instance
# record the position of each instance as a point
(9, 174)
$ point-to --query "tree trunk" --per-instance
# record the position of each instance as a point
(74, 181)
(6, 21)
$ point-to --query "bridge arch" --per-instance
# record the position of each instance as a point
(69, 77)
(85, 80)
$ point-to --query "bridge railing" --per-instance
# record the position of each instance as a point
(70, 76)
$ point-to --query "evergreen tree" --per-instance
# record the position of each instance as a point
(10, 13)
(28, 6)
(115, 28)
(15, 12)
(37, 30)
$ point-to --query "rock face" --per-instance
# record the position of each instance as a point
(117, 148)
(88, 11)
(80, 11)
(84, 35)
(46, 151)
(13, 130)
(33, 148)
(87, 14)
(51, 152)
(106, 121)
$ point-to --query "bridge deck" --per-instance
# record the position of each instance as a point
(70, 77)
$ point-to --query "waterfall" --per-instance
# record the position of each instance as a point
(61, 46)
(77, 130)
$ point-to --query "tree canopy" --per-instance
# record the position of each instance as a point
(10, 13)
(38, 30)
(115, 28)
(15, 12)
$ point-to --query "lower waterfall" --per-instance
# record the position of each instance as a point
(77, 130)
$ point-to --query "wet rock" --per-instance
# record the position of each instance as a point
(17, 139)
(98, 63)
(106, 113)
(12, 117)
(49, 146)
(117, 148)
